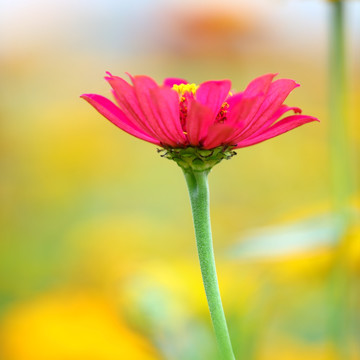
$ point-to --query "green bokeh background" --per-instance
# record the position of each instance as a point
(96, 230)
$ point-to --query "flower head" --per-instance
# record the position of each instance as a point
(177, 115)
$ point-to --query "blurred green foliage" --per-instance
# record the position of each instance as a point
(97, 252)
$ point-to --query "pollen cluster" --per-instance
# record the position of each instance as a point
(181, 89)
(221, 116)
(191, 89)
(183, 112)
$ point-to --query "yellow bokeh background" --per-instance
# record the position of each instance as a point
(97, 252)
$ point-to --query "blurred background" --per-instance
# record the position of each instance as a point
(97, 252)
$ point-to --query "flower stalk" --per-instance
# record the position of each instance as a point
(340, 154)
(342, 186)
(197, 182)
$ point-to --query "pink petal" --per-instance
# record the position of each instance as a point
(170, 82)
(259, 85)
(199, 118)
(218, 135)
(212, 94)
(278, 92)
(255, 93)
(284, 125)
(106, 108)
(235, 99)
(144, 88)
(166, 102)
(281, 111)
(126, 98)
(242, 111)
(240, 114)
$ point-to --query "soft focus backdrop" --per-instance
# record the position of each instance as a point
(97, 252)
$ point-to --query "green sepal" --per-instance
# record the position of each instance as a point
(196, 159)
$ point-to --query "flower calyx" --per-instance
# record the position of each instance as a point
(197, 159)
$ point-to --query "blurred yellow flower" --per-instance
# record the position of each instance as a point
(297, 351)
(70, 327)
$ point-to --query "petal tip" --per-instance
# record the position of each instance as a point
(84, 96)
(170, 82)
(131, 77)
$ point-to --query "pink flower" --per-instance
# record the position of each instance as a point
(179, 115)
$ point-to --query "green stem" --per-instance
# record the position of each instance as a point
(339, 316)
(197, 183)
(340, 155)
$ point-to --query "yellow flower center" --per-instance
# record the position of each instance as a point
(183, 88)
